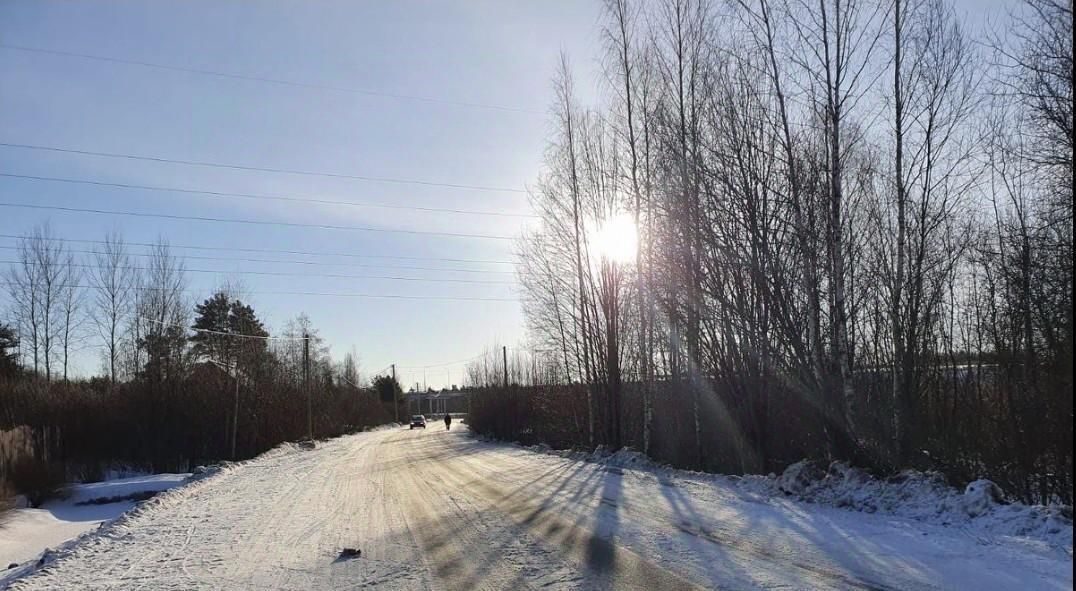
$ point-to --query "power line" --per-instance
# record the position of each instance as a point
(382, 370)
(252, 222)
(221, 332)
(323, 294)
(286, 274)
(450, 363)
(279, 81)
(284, 251)
(261, 168)
(263, 197)
(284, 261)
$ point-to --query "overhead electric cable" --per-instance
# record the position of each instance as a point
(446, 364)
(252, 222)
(280, 81)
(285, 251)
(221, 332)
(264, 197)
(261, 168)
(325, 294)
(285, 261)
(286, 274)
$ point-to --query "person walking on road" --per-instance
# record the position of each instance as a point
(448, 421)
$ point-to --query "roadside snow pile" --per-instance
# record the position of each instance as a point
(625, 457)
(923, 496)
(798, 477)
(200, 472)
(28, 534)
(629, 458)
(134, 488)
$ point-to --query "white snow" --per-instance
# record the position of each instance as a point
(434, 509)
(924, 497)
(26, 533)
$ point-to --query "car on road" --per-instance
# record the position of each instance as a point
(418, 421)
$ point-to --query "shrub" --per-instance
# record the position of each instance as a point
(7, 500)
(37, 479)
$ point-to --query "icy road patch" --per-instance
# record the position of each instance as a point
(435, 509)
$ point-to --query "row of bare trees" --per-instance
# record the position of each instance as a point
(179, 382)
(60, 301)
(847, 207)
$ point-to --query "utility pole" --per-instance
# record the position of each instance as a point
(235, 415)
(395, 402)
(306, 386)
(504, 353)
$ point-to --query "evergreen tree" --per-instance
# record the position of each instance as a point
(388, 389)
(217, 321)
(9, 345)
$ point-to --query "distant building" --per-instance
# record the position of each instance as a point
(438, 403)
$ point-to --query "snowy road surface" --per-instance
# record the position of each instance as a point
(431, 509)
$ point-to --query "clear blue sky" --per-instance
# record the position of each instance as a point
(493, 52)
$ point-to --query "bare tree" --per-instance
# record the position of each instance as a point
(818, 243)
(567, 119)
(622, 37)
(113, 281)
(37, 283)
(72, 294)
(933, 101)
(680, 59)
(162, 314)
(22, 282)
(349, 369)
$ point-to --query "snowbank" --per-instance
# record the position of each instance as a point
(623, 458)
(99, 493)
(27, 532)
(922, 496)
(34, 538)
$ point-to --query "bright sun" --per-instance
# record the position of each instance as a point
(616, 240)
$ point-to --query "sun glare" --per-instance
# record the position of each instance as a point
(617, 240)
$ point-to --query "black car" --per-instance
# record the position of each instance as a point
(418, 421)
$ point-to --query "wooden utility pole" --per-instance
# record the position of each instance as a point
(235, 414)
(395, 402)
(504, 353)
(306, 386)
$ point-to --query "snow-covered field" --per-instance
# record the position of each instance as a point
(430, 509)
(26, 533)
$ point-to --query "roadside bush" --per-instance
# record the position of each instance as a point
(7, 499)
(38, 480)
(91, 428)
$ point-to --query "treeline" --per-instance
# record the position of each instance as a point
(855, 230)
(181, 382)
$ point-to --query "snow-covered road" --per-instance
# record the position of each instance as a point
(440, 510)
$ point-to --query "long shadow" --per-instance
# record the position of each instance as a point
(691, 523)
(856, 559)
(807, 542)
(600, 552)
(568, 515)
(806, 546)
(575, 485)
